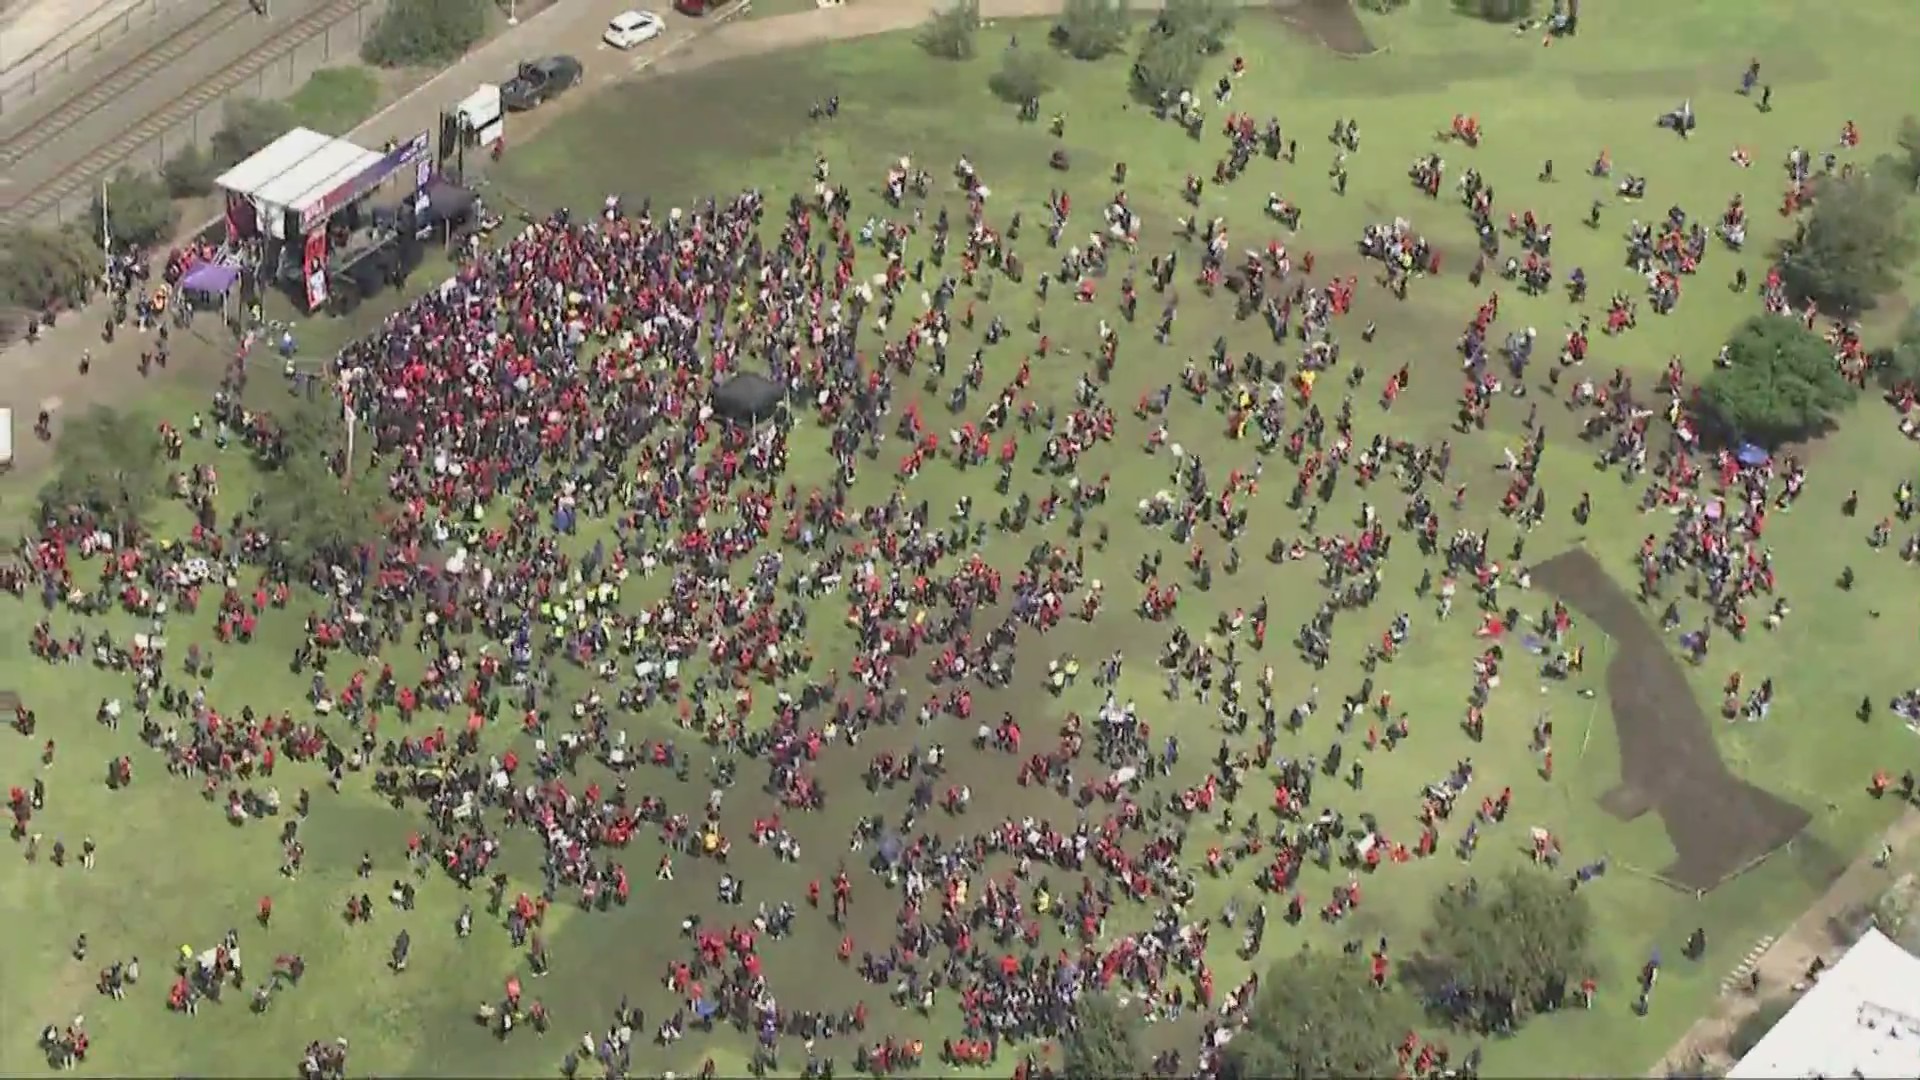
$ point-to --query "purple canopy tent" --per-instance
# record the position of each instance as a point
(210, 277)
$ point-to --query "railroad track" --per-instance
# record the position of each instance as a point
(123, 80)
(24, 207)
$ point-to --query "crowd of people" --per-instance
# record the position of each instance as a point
(623, 597)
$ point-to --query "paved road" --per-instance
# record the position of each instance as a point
(574, 26)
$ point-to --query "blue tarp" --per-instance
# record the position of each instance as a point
(1749, 454)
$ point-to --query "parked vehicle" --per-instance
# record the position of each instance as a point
(537, 81)
(630, 29)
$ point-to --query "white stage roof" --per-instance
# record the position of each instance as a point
(319, 170)
(294, 170)
(1860, 1019)
(270, 161)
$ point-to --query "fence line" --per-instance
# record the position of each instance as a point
(75, 45)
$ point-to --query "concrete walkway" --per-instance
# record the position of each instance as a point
(1784, 963)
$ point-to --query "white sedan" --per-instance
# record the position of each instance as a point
(632, 28)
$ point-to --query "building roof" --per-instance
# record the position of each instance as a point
(1860, 1019)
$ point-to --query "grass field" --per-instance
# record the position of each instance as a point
(171, 871)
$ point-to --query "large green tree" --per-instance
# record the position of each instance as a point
(1780, 383)
(1318, 1015)
(1512, 949)
(1101, 1043)
(1851, 247)
(1898, 364)
(1907, 162)
(110, 465)
(305, 502)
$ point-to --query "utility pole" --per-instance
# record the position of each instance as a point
(106, 238)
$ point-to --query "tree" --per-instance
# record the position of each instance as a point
(1851, 247)
(951, 32)
(249, 126)
(1091, 29)
(1100, 1044)
(1500, 11)
(425, 32)
(1512, 950)
(1024, 74)
(109, 465)
(1316, 1016)
(138, 210)
(305, 502)
(1209, 21)
(1780, 383)
(1167, 66)
(1898, 364)
(190, 173)
(1908, 139)
(40, 268)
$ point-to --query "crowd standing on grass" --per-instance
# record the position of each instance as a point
(578, 533)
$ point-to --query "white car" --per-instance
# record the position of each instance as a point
(631, 28)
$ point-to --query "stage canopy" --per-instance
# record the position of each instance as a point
(293, 173)
(210, 277)
(749, 398)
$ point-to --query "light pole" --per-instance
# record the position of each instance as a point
(513, 12)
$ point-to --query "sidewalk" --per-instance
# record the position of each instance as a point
(1785, 962)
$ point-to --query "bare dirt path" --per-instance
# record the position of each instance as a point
(1817, 932)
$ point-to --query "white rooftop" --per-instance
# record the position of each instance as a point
(270, 161)
(1860, 1019)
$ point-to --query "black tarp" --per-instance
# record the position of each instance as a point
(747, 399)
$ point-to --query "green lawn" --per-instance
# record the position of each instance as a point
(172, 872)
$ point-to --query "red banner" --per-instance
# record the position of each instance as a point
(313, 266)
(240, 217)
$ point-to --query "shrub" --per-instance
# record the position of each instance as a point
(138, 210)
(950, 32)
(248, 127)
(190, 173)
(1500, 11)
(1024, 74)
(39, 267)
(1167, 65)
(1091, 29)
(1207, 21)
(1384, 7)
(422, 32)
(334, 101)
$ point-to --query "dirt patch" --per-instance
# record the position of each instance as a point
(1669, 762)
(1332, 23)
(9, 700)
